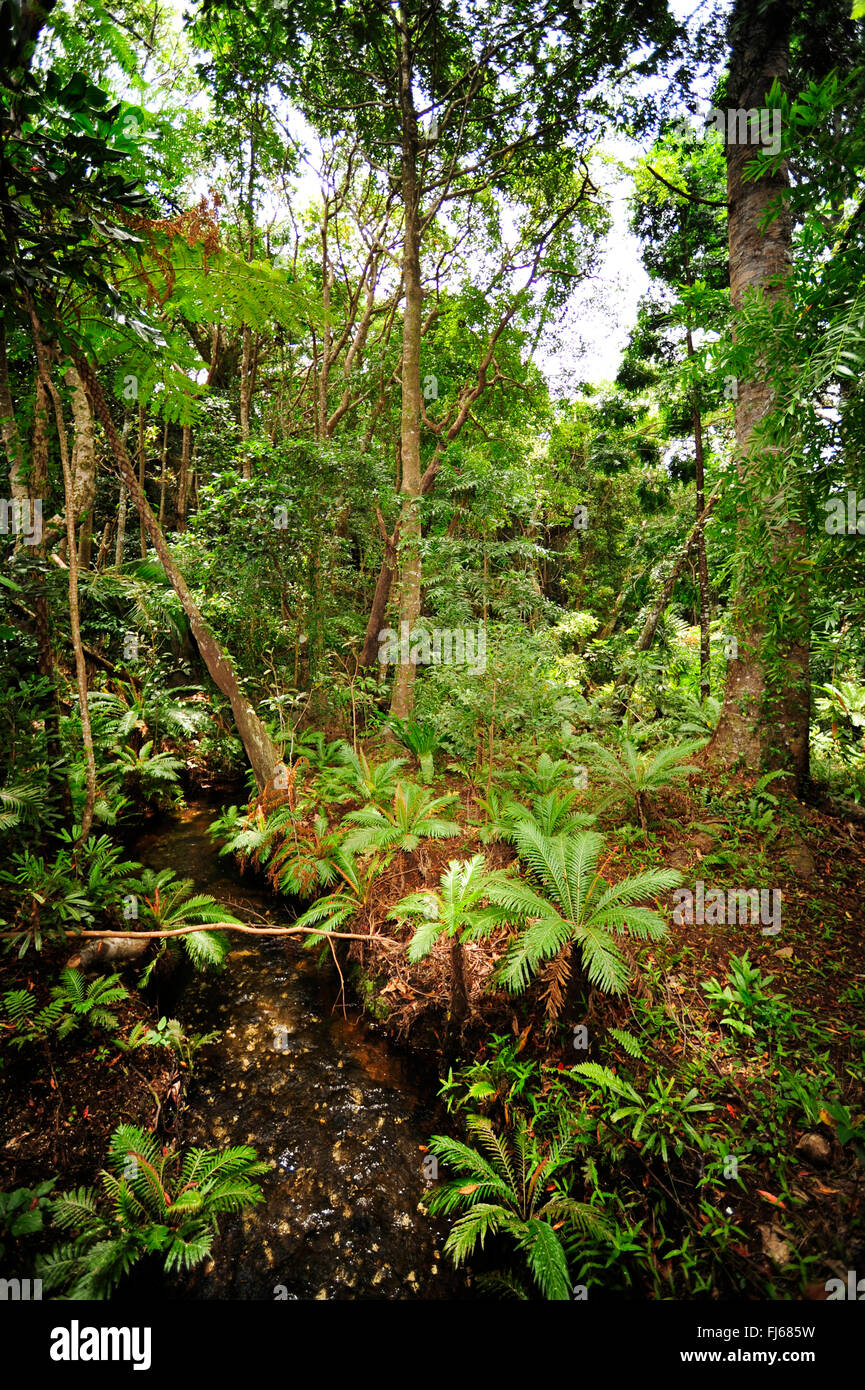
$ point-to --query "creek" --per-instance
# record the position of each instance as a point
(341, 1112)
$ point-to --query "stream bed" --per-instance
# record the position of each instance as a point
(342, 1113)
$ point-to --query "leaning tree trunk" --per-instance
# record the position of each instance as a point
(375, 623)
(402, 699)
(765, 716)
(262, 755)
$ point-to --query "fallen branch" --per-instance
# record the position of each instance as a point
(220, 926)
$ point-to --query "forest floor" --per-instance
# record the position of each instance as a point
(797, 1214)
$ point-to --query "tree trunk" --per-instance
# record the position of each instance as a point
(162, 471)
(83, 466)
(262, 755)
(11, 438)
(58, 784)
(702, 567)
(121, 509)
(402, 699)
(142, 534)
(183, 478)
(369, 654)
(765, 717)
(459, 993)
(74, 617)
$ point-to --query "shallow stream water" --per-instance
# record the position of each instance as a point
(342, 1114)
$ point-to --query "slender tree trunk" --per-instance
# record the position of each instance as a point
(104, 547)
(183, 478)
(58, 782)
(11, 438)
(369, 654)
(162, 473)
(142, 534)
(121, 509)
(72, 549)
(702, 567)
(83, 465)
(765, 716)
(246, 396)
(402, 699)
(262, 754)
(650, 626)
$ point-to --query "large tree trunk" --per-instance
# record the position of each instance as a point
(262, 755)
(765, 717)
(402, 699)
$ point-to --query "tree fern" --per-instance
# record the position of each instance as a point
(168, 902)
(411, 817)
(573, 905)
(516, 1187)
(143, 1209)
(637, 776)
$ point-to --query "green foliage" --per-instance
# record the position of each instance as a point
(151, 1202)
(73, 1001)
(662, 1120)
(411, 817)
(167, 903)
(548, 775)
(339, 909)
(550, 814)
(21, 805)
(573, 905)
(359, 778)
(512, 1185)
(169, 1032)
(455, 912)
(70, 891)
(420, 739)
(22, 1212)
(750, 1008)
(638, 776)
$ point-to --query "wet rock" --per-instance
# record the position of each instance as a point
(801, 860)
(815, 1148)
(679, 858)
(774, 1245)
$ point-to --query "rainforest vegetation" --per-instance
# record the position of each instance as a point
(433, 672)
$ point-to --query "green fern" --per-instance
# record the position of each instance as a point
(637, 776)
(572, 905)
(420, 739)
(513, 1186)
(411, 817)
(143, 1210)
(454, 911)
